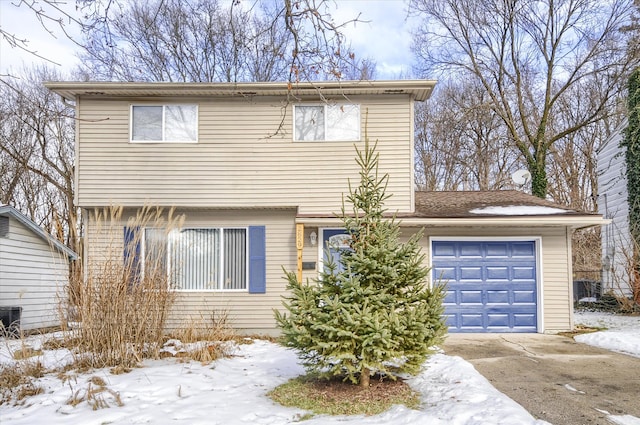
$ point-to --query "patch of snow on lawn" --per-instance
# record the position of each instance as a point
(624, 419)
(233, 391)
(622, 333)
(518, 210)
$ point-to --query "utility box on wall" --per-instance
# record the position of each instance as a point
(10, 317)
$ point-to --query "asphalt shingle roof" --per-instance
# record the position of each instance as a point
(460, 203)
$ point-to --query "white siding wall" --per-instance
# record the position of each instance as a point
(612, 204)
(32, 276)
(238, 160)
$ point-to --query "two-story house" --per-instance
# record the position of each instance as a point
(259, 169)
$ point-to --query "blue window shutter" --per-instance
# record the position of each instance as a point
(131, 251)
(257, 260)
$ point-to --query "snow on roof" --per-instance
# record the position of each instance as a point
(518, 210)
(451, 204)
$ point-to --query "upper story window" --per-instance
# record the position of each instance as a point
(337, 122)
(164, 123)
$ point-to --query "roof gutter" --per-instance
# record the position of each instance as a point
(573, 222)
(71, 90)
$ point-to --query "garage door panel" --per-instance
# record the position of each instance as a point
(524, 297)
(499, 319)
(498, 297)
(471, 320)
(452, 321)
(528, 272)
(497, 249)
(470, 249)
(470, 297)
(450, 298)
(444, 273)
(497, 272)
(523, 249)
(444, 249)
(471, 273)
(491, 285)
(525, 320)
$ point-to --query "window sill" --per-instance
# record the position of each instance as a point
(211, 290)
(162, 142)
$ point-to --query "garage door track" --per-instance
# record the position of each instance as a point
(555, 378)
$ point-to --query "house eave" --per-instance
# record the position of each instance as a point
(418, 90)
(573, 221)
(7, 210)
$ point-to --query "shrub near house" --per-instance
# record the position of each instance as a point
(377, 309)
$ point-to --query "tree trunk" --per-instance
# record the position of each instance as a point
(538, 175)
(365, 377)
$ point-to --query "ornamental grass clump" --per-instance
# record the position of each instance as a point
(375, 312)
(122, 302)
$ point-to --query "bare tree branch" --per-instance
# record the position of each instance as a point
(530, 56)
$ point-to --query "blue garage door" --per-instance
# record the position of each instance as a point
(491, 285)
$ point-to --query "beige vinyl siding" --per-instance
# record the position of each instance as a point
(249, 313)
(555, 281)
(239, 160)
(32, 276)
(253, 313)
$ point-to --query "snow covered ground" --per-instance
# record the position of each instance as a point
(620, 334)
(233, 390)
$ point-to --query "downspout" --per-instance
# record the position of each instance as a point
(568, 232)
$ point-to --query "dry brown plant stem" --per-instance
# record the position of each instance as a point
(122, 301)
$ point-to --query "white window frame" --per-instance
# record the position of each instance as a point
(326, 107)
(164, 106)
(171, 241)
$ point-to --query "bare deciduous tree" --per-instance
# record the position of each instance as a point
(460, 141)
(37, 133)
(529, 55)
(200, 40)
(175, 40)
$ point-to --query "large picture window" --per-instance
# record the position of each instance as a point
(335, 122)
(200, 259)
(164, 123)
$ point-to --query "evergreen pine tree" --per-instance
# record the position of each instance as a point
(375, 313)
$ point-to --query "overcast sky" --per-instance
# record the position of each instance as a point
(385, 38)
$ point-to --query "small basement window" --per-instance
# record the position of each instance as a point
(4, 226)
(164, 123)
(336, 122)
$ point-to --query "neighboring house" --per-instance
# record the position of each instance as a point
(617, 248)
(259, 170)
(34, 271)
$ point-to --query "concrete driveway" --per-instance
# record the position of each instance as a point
(555, 378)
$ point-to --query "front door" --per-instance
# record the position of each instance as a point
(334, 243)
